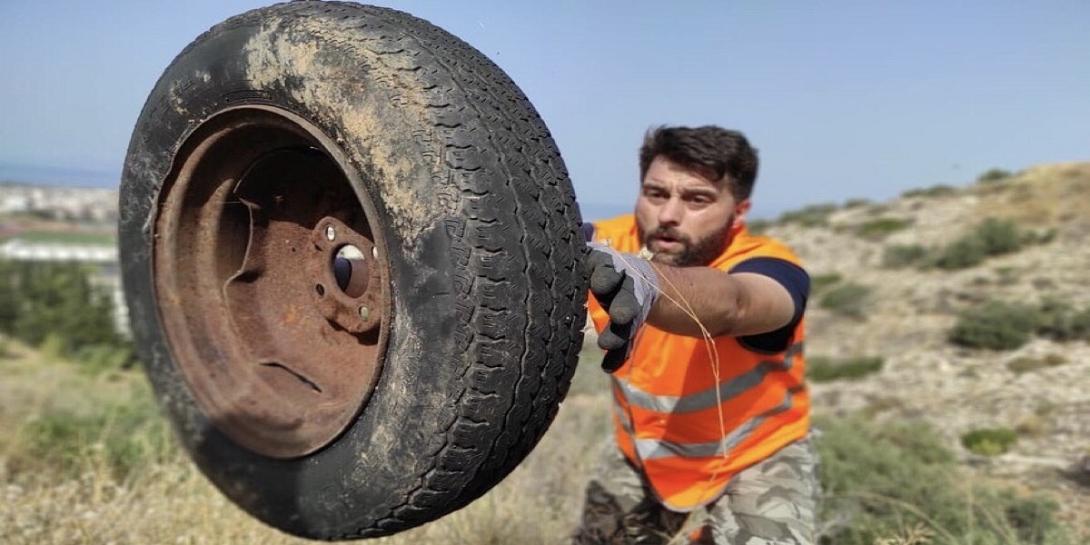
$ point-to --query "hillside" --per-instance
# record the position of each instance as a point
(89, 460)
(869, 302)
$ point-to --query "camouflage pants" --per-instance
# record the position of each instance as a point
(770, 503)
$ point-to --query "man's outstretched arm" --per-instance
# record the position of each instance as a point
(679, 300)
(734, 304)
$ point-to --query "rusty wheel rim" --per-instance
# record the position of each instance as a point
(271, 281)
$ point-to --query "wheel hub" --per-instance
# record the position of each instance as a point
(271, 285)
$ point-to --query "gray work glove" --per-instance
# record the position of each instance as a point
(626, 286)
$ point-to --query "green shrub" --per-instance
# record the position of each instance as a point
(879, 478)
(880, 228)
(960, 254)
(1026, 364)
(53, 346)
(933, 191)
(1032, 426)
(1080, 324)
(999, 236)
(989, 441)
(1054, 319)
(848, 299)
(1058, 320)
(758, 227)
(123, 437)
(901, 255)
(824, 369)
(821, 282)
(1034, 520)
(856, 203)
(100, 358)
(1039, 237)
(57, 307)
(990, 238)
(993, 175)
(995, 325)
(810, 216)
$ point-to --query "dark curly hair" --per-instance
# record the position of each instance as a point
(713, 152)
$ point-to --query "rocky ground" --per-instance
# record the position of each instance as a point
(908, 312)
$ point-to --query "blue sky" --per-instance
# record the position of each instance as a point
(843, 99)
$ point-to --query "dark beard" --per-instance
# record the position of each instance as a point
(695, 253)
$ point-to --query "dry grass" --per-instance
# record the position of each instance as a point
(163, 499)
(1040, 197)
(170, 502)
(173, 503)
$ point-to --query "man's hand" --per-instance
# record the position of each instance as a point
(626, 286)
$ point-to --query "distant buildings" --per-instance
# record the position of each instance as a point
(94, 205)
(20, 250)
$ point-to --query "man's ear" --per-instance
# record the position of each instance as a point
(741, 210)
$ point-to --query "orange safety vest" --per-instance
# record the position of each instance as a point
(665, 416)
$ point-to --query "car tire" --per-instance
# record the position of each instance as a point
(433, 160)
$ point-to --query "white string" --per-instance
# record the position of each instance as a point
(709, 346)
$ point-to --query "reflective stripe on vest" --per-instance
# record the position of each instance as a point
(706, 399)
(650, 449)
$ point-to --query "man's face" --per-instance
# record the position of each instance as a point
(683, 218)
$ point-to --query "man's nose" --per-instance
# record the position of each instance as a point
(671, 212)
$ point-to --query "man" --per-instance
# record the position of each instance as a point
(703, 330)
